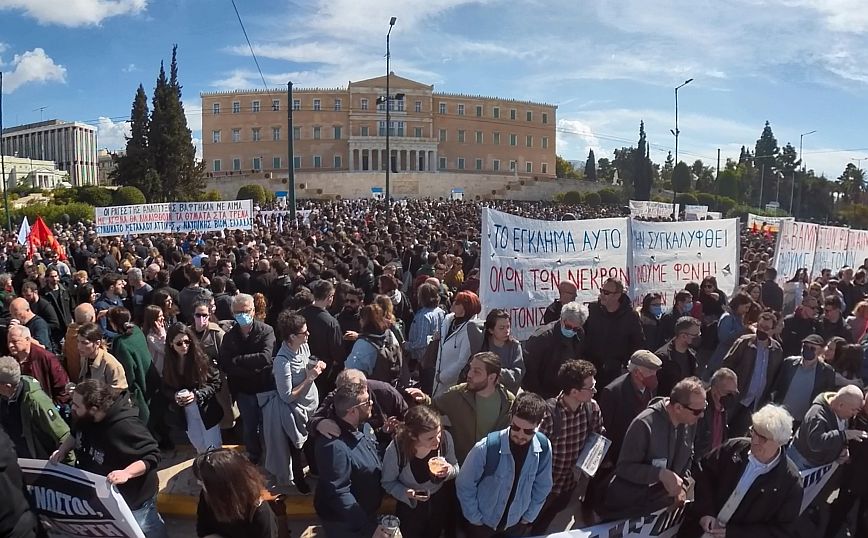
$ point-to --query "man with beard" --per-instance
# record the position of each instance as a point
(114, 286)
(363, 278)
(349, 319)
(478, 407)
(111, 441)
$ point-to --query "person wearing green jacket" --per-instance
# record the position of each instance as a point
(130, 348)
(28, 415)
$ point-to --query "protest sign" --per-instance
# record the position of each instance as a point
(795, 247)
(668, 255)
(646, 209)
(831, 249)
(661, 524)
(524, 260)
(715, 215)
(173, 217)
(813, 481)
(695, 212)
(76, 504)
(760, 223)
(857, 247)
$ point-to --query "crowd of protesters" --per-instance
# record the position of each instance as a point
(351, 348)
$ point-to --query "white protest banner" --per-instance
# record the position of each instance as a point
(173, 217)
(857, 247)
(760, 223)
(76, 504)
(651, 210)
(661, 524)
(524, 260)
(795, 247)
(831, 250)
(715, 215)
(813, 481)
(699, 211)
(668, 255)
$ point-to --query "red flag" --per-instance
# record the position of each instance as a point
(41, 237)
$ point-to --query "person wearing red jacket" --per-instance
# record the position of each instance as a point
(39, 363)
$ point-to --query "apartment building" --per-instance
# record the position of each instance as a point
(72, 145)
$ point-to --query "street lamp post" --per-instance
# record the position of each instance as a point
(388, 121)
(290, 154)
(3, 163)
(793, 186)
(676, 132)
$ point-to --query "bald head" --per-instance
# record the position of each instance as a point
(84, 313)
(567, 291)
(19, 309)
(847, 402)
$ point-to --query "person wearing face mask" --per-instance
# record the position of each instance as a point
(799, 325)
(545, 352)
(566, 294)
(650, 315)
(683, 307)
(678, 356)
(756, 359)
(247, 356)
(802, 378)
(711, 430)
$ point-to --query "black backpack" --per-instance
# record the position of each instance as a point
(389, 360)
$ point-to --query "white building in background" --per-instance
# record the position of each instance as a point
(21, 171)
(72, 145)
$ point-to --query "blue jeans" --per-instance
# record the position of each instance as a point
(251, 417)
(150, 521)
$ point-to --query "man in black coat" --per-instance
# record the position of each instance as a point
(832, 322)
(854, 487)
(711, 429)
(771, 294)
(678, 357)
(546, 351)
(802, 378)
(16, 519)
(326, 337)
(567, 292)
(798, 325)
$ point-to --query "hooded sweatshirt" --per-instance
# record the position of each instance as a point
(115, 442)
(820, 438)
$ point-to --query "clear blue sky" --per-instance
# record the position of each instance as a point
(801, 64)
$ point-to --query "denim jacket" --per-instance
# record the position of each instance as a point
(483, 499)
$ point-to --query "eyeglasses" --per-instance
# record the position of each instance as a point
(607, 292)
(592, 389)
(304, 333)
(696, 412)
(179, 343)
(367, 402)
(200, 315)
(758, 435)
(525, 431)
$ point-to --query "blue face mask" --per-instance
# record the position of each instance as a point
(656, 310)
(687, 308)
(568, 333)
(243, 319)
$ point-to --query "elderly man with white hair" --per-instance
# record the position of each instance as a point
(38, 363)
(246, 356)
(823, 436)
(546, 351)
(747, 487)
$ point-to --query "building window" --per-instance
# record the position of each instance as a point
(512, 113)
(296, 162)
(257, 163)
(512, 166)
(275, 133)
(396, 128)
(255, 106)
(442, 163)
(460, 110)
(216, 167)
(528, 141)
(529, 116)
(479, 164)
(236, 164)
(528, 167)
(417, 132)
(364, 130)
(296, 133)
(236, 107)
(396, 104)
(478, 111)
(317, 161)
(275, 162)
(296, 104)
(364, 104)
(337, 133)
(216, 109)
(443, 135)
(215, 137)
(513, 139)
(545, 118)
(479, 137)
(337, 104)
(418, 106)
(496, 139)
(317, 133)
(461, 163)
(256, 134)
(275, 105)
(236, 135)
(461, 136)
(496, 112)
(545, 142)
(337, 162)
(443, 108)
(317, 104)
(545, 168)
(495, 165)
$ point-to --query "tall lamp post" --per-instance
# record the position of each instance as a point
(793, 186)
(388, 122)
(290, 154)
(676, 132)
(3, 163)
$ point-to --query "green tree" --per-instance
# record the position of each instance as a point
(128, 196)
(563, 168)
(135, 167)
(592, 199)
(766, 162)
(608, 196)
(686, 198)
(727, 183)
(253, 192)
(704, 176)
(605, 170)
(591, 167)
(852, 184)
(681, 180)
(572, 197)
(666, 171)
(93, 195)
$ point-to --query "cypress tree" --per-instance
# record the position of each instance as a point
(135, 166)
(591, 167)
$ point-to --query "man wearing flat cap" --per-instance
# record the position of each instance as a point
(802, 378)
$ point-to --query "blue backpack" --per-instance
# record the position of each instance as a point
(492, 451)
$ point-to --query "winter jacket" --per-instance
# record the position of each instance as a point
(62, 304)
(398, 476)
(131, 350)
(454, 350)
(511, 363)
(364, 355)
(827, 330)
(44, 366)
(651, 331)
(670, 373)
(40, 332)
(458, 406)
(819, 439)
(769, 508)
(206, 398)
(796, 328)
(106, 368)
(824, 379)
(483, 498)
(15, 514)
(326, 337)
(772, 295)
(115, 442)
(71, 356)
(729, 329)
(188, 297)
(611, 338)
(247, 360)
(544, 353)
(104, 302)
(42, 427)
(620, 402)
(741, 359)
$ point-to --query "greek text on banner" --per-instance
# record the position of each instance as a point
(174, 217)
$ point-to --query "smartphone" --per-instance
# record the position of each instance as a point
(421, 495)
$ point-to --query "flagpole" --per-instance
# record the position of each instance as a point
(3, 162)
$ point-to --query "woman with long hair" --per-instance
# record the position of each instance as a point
(459, 338)
(260, 306)
(417, 465)
(233, 502)
(733, 324)
(395, 324)
(498, 338)
(162, 299)
(191, 381)
(85, 294)
(426, 323)
(794, 289)
(858, 322)
(154, 327)
(210, 335)
(389, 286)
(649, 315)
(847, 362)
(131, 350)
(375, 344)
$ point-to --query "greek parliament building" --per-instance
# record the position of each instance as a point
(71, 145)
(439, 142)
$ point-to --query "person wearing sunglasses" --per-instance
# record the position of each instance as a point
(748, 486)
(654, 463)
(505, 499)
